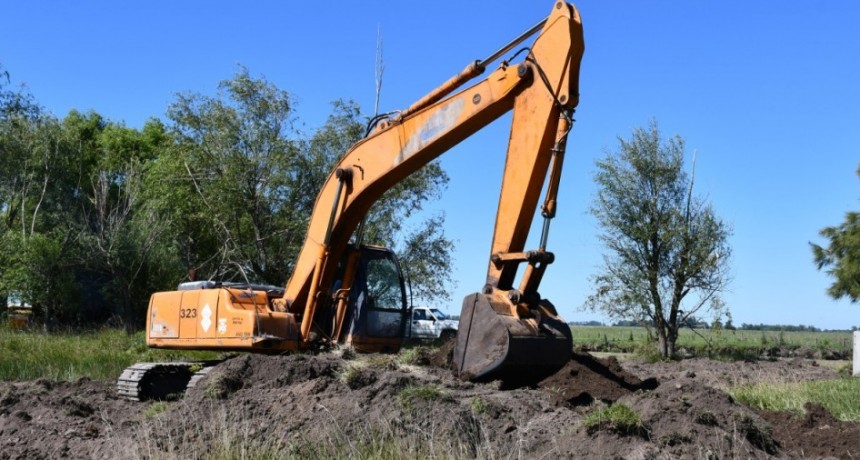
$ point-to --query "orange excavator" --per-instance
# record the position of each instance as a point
(344, 292)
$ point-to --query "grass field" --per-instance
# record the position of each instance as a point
(839, 397)
(723, 343)
(99, 355)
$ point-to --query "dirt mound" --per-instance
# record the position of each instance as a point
(817, 434)
(586, 378)
(44, 419)
(319, 406)
(726, 374)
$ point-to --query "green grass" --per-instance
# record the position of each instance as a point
(155, 409)
(409, 394)
(98, 355)
(617, 417)
(351, 373)
(838, 396)
(707, 342)
(416, 355)
(478, 405)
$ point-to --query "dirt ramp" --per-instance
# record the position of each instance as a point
(324, 400)
(727, 374)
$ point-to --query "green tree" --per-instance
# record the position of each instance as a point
(668, 253)
(241, 182)
(95, 216)
(841, 256)
(36, 246)
(118, 230)
(73, 239)
(236, 162)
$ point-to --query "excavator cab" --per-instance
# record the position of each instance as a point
(377, 311)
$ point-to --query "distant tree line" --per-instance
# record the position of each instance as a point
(586, 323)
(696, 323)
(778, 327)
(95, 215)
(690, 322)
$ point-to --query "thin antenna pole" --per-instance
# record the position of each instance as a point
(380, 69)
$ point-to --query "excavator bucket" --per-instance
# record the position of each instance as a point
(494, 344)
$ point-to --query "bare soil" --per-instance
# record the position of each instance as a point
(311, 405)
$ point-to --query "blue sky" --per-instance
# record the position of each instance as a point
(767, 93)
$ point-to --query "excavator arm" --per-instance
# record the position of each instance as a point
(542, 91)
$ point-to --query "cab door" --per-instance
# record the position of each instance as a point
(378, 307)
(422, 324)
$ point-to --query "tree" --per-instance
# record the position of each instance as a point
(841, 257)
(668, 253)
(119, 230)
(95, 216)
(36, 247)
(249, 181)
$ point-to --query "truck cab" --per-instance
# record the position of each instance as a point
(432, 323)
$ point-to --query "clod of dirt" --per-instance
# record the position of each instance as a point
(8, 397)
(817, 416)
(75, 406)
(357, 375)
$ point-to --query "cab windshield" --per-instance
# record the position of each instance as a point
(438, 313)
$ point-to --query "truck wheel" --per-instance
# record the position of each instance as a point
(447, 334)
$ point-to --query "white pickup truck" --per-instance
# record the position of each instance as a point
(431, 323)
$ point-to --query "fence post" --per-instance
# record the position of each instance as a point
(856, 372)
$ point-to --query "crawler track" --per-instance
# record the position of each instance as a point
(161, 381)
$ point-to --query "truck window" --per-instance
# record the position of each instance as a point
(438, 314)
